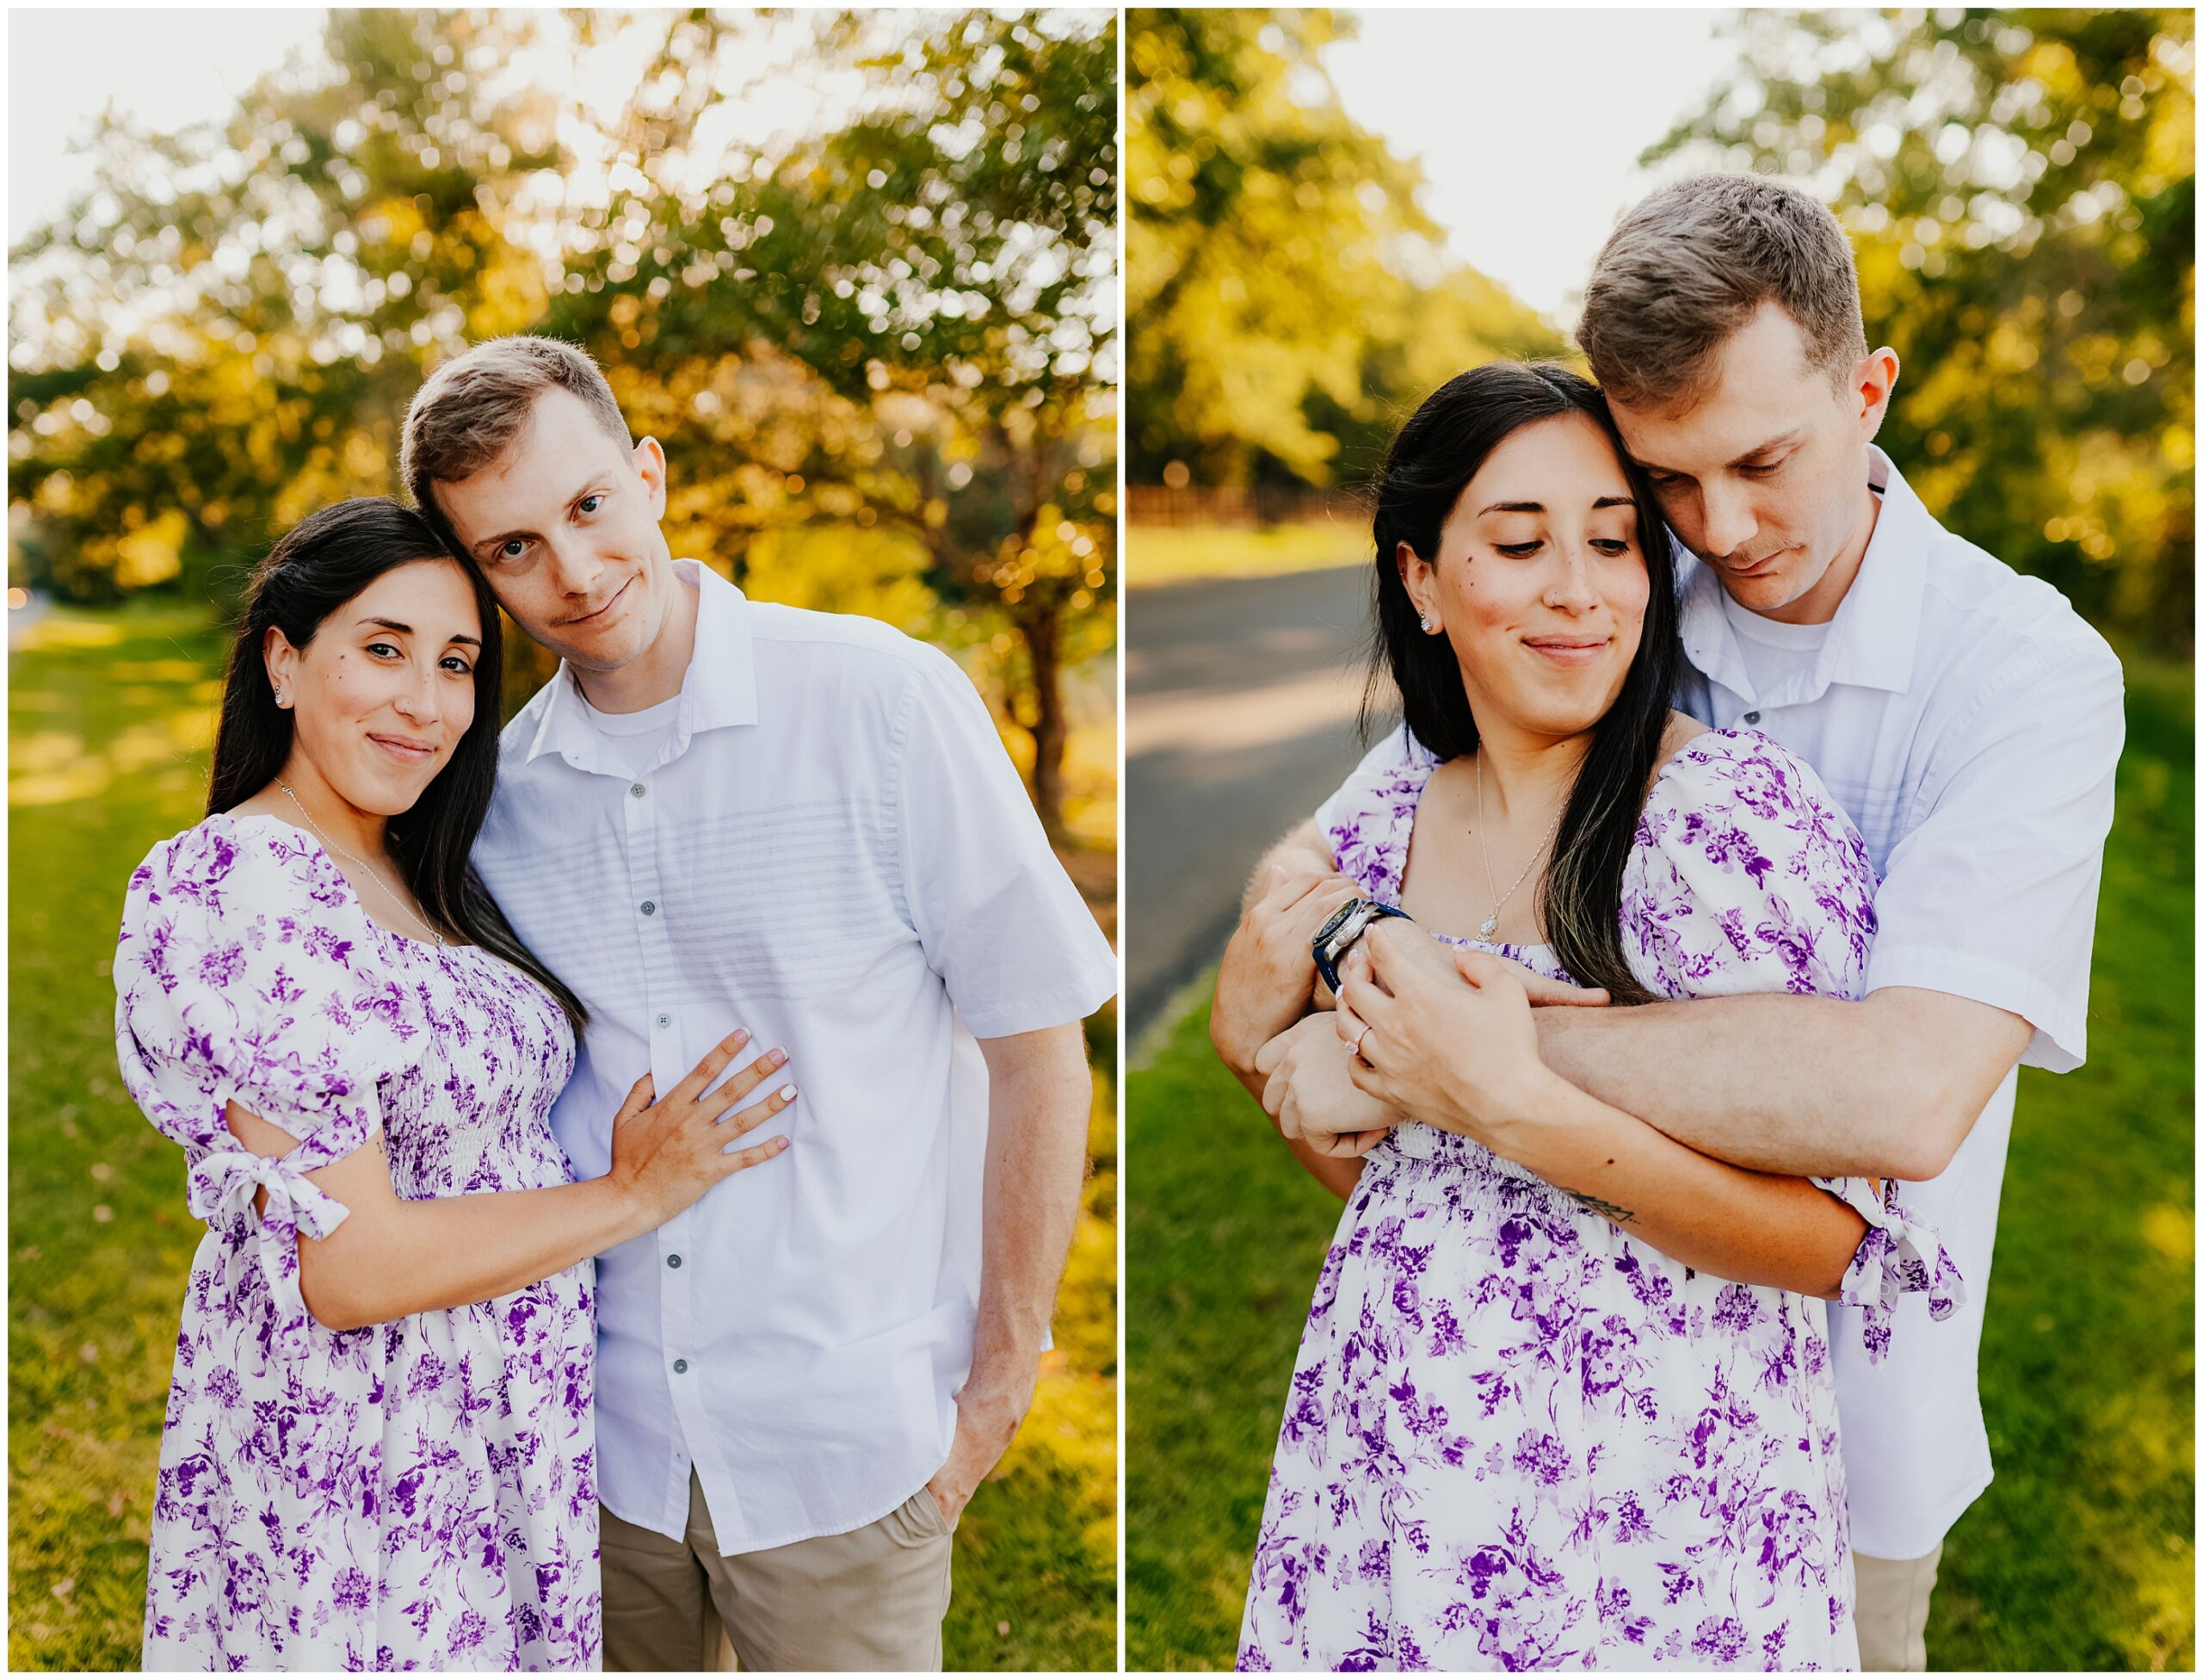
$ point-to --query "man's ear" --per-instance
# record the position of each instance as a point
(1872, 382)
(650, 468)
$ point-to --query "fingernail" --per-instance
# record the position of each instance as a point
(739, 1035)
(775, 1058)
(786, 1093)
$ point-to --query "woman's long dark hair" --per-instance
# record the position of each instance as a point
(323, 562)
(1430, 463)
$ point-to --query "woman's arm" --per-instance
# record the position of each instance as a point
(1424, 1008)
(1750, 1227)
(392, 1256)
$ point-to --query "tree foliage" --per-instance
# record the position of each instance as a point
(2021, 189)
(879, 346)
(1285, 293)
(939, 274)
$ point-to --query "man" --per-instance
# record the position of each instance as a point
(1964, 717)
(721, 813)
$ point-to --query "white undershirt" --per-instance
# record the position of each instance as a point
(639, 738)
(1772, 652)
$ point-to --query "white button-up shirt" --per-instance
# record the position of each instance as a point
(1970, 722)
(831, 849)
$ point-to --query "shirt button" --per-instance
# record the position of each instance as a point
(637, 790)
(665, 1020)
(680, 1367)
(674, 1261)
(1751, 717)
(648, 908)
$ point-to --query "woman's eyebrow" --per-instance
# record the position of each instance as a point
(407, 630)
(1540, 507)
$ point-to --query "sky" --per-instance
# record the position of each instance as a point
(166, 68)
(1529, 142)
(169, 69)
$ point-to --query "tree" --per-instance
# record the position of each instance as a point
(885, 344)
(1286, 295)
(223, 334)
(2019, 187)
(939, 267)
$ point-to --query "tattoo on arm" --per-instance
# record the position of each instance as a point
(1591, 1204)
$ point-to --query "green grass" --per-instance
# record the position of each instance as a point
(1181, 553)
(2080, 1555)
(110, 716)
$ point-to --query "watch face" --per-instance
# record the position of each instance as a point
(1334, 922)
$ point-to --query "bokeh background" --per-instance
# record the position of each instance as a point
(1327, 214)
(856, 272)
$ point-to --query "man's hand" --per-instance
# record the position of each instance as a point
(989, 1409)
(1268, 977)
(1311, 1096)
(1039, 1099)
(1446, 1035)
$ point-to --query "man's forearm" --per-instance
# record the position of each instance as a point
(1804, 1086)
(1041, 1098)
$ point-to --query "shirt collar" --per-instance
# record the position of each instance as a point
(1874, 638)
(718, 691)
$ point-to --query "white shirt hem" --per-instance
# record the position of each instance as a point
(1065, 1008)
(1909, 1543)
(740, 1551)
(2060, 1043)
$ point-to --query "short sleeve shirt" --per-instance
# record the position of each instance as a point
(1970, 723)
(834, 852)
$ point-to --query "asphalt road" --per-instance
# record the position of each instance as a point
(1240, 697)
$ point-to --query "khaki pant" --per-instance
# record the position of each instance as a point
(1893, 1611)
(872, 1599)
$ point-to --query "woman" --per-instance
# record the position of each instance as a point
(1517, 1436)
(378, 1450)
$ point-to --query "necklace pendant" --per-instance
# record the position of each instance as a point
(1491, 924)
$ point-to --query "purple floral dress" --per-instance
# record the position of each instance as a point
(1517, 1439)
(415, 1494)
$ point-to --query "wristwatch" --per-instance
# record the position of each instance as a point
(1347, 924)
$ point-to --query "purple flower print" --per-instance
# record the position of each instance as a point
(1516, 1439)
(1719, 1639)
(1541, 1458)
(299, 1466)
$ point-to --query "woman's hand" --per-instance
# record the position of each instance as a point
(1311, 1096)
(666, 1154)
(1445, 1037)
(1268, 974)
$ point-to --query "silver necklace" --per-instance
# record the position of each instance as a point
(392, 892)
(1491, 922)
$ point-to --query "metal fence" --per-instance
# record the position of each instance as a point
(1241, 504)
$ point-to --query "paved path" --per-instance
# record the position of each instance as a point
(1240, 697)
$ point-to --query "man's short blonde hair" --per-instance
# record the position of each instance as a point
(1693, 262)
(469, 410)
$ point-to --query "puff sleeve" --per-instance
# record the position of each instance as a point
(246, 972)
(1747, 877)
(1368, 821)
